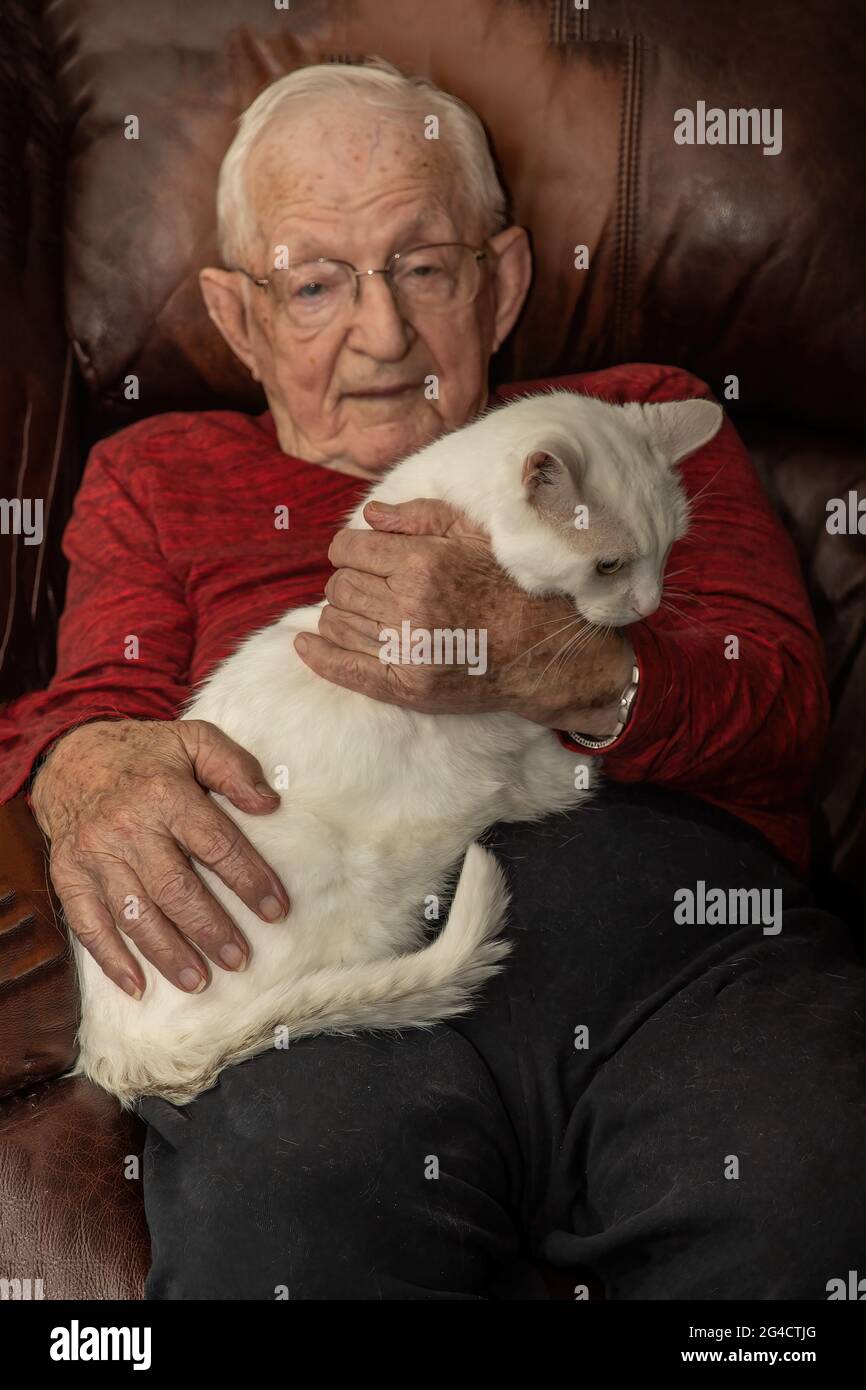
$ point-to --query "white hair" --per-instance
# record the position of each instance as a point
(377, 83)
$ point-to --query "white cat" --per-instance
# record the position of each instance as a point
(382, 803)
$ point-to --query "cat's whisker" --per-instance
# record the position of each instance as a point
(677, 592)
(577, 641)
(702, 497)
(548, 637)
(557, 660)
(581, 640)
(685, 594)
(546, 622)
(689, 618)
(574, 645)
(699, 494)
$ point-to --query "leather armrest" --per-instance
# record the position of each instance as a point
(71, 1208)
(38, 990)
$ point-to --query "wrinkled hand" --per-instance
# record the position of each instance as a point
(124, 806)
(425, 563)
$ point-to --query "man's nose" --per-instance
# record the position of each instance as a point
(378, 327)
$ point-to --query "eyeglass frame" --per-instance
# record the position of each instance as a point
(263, 282)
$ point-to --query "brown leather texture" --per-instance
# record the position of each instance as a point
(714, 258)
(41, 452)
(71, 1212)
(38, 994)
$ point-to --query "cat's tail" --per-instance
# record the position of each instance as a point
(414, 990)
(417, 989)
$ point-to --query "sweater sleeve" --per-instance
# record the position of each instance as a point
(732, 703)
(125, 638)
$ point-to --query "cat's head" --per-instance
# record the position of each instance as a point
(600, 500)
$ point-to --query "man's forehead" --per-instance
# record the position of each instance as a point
(316, 182)
(328, 149)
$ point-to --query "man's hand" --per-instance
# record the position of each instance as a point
(425, 563)
(124, 807)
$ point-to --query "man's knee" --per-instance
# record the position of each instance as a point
(734, 1141)
(363, 1167)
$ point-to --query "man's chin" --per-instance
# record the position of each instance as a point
(382, 442)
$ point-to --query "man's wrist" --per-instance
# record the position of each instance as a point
(597, 723)
(47, 756)
(603, 739)
(598, 710)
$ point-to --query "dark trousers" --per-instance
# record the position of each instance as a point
(677, 1108)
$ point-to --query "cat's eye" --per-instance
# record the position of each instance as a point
(608, 566)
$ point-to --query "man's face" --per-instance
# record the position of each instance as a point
(357, 185)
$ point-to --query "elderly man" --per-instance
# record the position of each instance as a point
(663, 1098)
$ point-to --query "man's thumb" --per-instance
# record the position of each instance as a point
(224, 766)
(423, 516)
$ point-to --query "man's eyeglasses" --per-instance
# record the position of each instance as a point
(425, 279)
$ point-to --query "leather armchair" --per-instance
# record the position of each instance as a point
(715, 258)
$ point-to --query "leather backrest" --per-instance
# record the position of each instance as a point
(718, 258)
(39, 443)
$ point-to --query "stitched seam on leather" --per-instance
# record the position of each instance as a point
(13, 549)
(59, 436)
(565, 24)
(22, 44)
(627, 192)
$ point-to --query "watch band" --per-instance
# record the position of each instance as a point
(627, 699)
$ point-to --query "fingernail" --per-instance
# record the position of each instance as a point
(272, 909)
(264, 790)
(232, 956)
(192, 980)
(301, 644)
(384, 508)
(131, 986)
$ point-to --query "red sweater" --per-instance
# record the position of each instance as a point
(172, 541)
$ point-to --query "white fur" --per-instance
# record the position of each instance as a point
(381, 803)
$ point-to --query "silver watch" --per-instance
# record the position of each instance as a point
(626, 701)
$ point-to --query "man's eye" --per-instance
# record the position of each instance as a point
(313, 289)
(608, 566)
(424, 272)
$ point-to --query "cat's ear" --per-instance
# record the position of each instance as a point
(540, 469)
(679, 428)
(551, 466)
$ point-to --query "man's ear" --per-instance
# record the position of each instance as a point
(223, 296)
(512, 273)
(679, 428)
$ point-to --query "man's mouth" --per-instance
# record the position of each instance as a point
(383, 392)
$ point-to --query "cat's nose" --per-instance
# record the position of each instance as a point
(646, 606)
